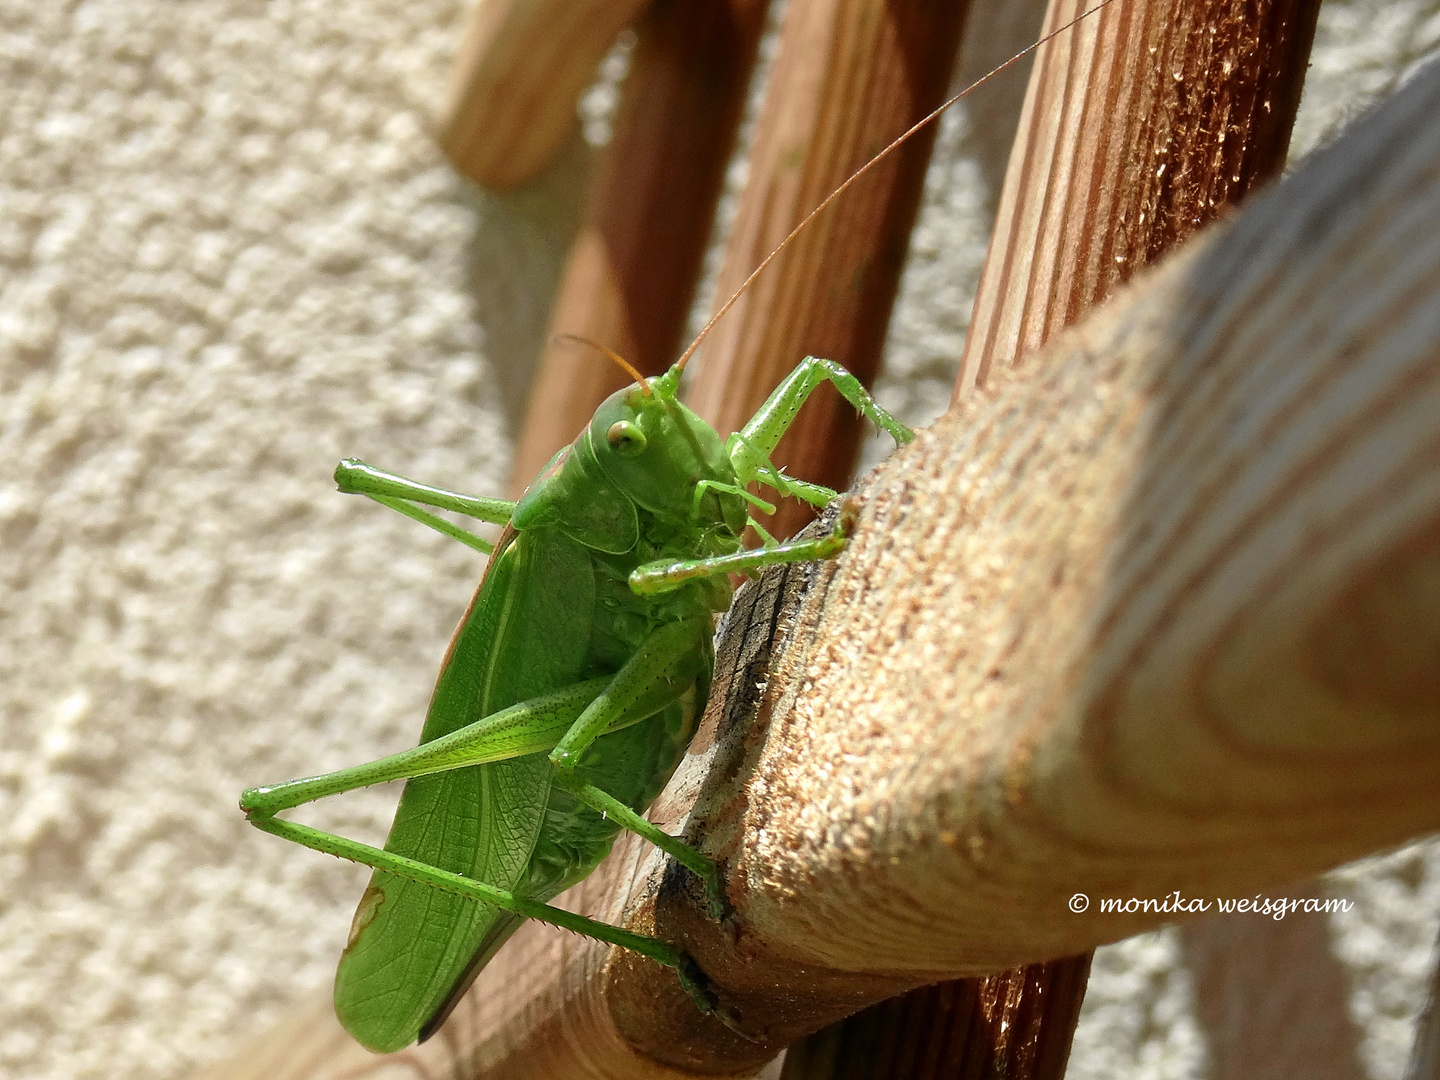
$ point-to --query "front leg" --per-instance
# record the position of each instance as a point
(750, 447)
(665, 575)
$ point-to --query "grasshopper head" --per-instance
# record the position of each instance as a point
(656, 451)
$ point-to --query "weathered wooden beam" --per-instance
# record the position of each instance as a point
(1163, 618)
(1166, 617)
(519, 72)
(1186, 630)
(631, 273)
(1142, 124)
(850, 77)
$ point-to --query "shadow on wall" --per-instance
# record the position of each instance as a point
(512, 279)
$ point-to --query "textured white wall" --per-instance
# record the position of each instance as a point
(229, 256)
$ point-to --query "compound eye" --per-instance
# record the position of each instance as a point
(625, 438)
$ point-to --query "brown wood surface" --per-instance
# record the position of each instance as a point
(996, 1026)
(516, 79)
(1160, 616)
(1141, 125)
(1145, 124)
(1100, 630)
(850, 76)
(632, 271)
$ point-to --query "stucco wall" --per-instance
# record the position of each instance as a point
(229, 256)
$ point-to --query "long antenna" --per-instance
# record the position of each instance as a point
(858, 173)
(619, 360)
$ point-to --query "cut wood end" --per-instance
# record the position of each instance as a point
(520, 72)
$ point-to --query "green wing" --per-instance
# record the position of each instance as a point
(411, 945)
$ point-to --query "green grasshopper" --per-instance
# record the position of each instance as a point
(572, 685)
(568, 696)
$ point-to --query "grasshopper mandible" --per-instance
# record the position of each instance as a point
(571, 687)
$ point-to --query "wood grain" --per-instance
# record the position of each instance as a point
(517, 77)
(1189, 606)
(1156, 611)
(1162, 616)
(996, 1026)
(1141, 124)
(850, 76)
(632, 270)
